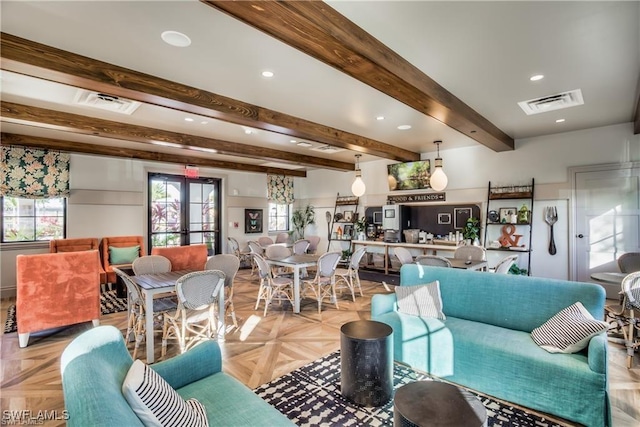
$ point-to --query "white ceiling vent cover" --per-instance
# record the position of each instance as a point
(328, 149)
(104, 101)
(552, 102)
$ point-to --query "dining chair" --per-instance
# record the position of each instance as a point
(403, 255)
(625, 317)
(279, 288)
(433, 260)
(324, 282)
(151, 264)
(277, 252)
(629, 262)
(301, 246)
(350, 277)
(505, 264)
(136, 313)
(194, 320)
(244, 256)
(255, 249)
(265, 241)
(313, 244)
(229, 264)
(282, 237)
(470, 253)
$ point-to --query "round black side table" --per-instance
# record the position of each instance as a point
(436, 404)
(366, 362)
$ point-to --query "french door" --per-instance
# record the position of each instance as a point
(184, 211)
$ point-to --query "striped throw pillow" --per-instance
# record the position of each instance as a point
(569, 331)
(420, 300)
(156, 403)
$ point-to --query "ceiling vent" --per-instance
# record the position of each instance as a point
(552, 102)
(104, 101)
(328, 149)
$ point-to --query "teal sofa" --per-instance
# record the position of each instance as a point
(95, 364)
(485, 342)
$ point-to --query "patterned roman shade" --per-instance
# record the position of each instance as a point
(33, 173)
(280, 189)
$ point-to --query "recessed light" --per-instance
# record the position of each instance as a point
(188, 119)
(204, 122)
(536, 77)
(175, 38)
(380, 118)
(293, 141)
(248, 131)
(267, 74)
(404, 127)
(304, 144)
(559, 120)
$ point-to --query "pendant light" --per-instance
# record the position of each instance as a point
(358, 188)
(438, 180)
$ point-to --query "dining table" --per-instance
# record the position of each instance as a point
(155, 284)
(468, 264)
(297, 263)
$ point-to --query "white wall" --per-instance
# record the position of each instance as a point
(108, 195)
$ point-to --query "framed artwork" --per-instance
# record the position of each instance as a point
(507, 215)
(348, 216)
(348, 231)
(444, 218)
(252, 221)
(460, 217)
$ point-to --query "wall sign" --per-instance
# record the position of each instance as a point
(426, 197)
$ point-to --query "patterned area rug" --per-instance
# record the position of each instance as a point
(310, 396)
(109, 303)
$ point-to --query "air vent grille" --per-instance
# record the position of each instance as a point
(105, 101)
(558, 101)
(329, 149)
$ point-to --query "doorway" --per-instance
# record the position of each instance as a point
(184, 211)
(607, 217)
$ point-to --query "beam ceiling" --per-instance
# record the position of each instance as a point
(321, 32)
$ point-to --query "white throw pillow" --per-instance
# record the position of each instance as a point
(569, 331)
(420, 300)
(156, 403)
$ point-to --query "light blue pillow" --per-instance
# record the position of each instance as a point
(123, 255)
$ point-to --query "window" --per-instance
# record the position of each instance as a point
(278, 217)
(29, 220)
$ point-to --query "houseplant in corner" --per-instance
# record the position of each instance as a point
(300, 219)
(471, 231)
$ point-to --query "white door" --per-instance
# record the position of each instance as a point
(607, 217)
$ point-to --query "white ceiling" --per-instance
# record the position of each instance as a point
(482, 52)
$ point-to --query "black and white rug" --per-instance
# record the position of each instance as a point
(109, 303)
(310, 396)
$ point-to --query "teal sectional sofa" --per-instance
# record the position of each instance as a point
(485, 343)
(95, 364)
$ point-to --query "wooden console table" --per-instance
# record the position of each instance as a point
(427, 249)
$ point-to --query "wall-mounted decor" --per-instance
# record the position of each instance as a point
(424, 197)
(409, 175)
(348, 216)
(444, 218)
(460, 217)
(508, 215)
(253, 221)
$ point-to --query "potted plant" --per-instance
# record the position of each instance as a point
(471, 231)
(300, 219)
(360, 226)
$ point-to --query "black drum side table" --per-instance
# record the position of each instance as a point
(366, 362)
(436, 404)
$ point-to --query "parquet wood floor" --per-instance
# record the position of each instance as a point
(261, 349)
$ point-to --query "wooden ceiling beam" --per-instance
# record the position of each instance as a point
(51, 119)
(34, 59)
(319, 31)
(102, 150)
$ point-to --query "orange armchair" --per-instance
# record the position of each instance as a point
(192, 257)
(118, 242)
(54, 290)
(75, 245)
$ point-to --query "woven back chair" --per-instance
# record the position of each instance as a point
(629, 262)
(255, 249)
(272, 288)
(301, 246)
(313, 244)
(234, 248)
(350, 277)
(229, 265)
(403, 255)
(277, 252)
(505, 264)
(433, 260)
(625, 317)
(194, 320)
(324, 283)
(265, 241)
(470, 253)
(136, 314)
(151, 264)
(282, 237)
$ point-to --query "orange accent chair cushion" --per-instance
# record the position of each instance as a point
(118, 242)
(75, 245)
(57, 289)
(192, 257)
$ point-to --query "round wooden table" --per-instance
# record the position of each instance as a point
(436, 404)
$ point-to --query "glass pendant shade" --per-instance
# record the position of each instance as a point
(358, 188)
(439, 180)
